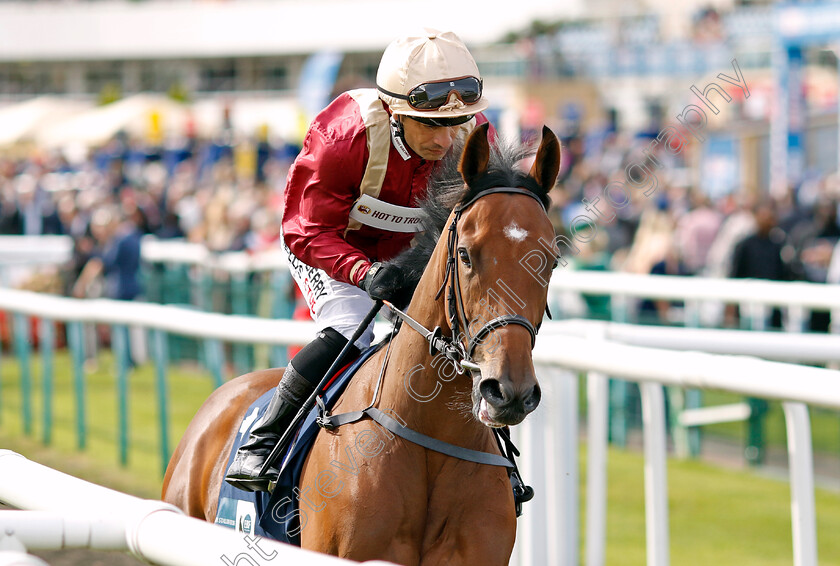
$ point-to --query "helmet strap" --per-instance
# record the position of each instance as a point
(398, 138)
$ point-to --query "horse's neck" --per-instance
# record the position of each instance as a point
(420, 387)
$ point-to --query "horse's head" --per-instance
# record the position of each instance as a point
(495, 303)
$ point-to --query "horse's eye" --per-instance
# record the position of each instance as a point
(465, 257)
(556, 263)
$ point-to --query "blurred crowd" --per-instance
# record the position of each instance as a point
(222, 193)
(227, 195)
(680, 230)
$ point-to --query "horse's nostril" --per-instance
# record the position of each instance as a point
(533, 399)
(491, 390)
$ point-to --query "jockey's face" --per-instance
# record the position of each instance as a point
(429, 142)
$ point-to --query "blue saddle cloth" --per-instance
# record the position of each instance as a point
(277, 515)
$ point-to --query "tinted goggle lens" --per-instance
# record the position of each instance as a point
(434, 95)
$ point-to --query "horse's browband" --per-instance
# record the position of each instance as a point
(485, 192)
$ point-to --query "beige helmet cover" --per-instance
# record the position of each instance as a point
(430, 57)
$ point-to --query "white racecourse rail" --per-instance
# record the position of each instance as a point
(549, 530)
(66, 512)
(755, 296)
(563, 355)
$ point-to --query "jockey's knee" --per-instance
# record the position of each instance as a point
(313, 361)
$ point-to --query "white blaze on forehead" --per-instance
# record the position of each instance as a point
(515, 233)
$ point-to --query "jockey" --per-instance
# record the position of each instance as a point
(366, 160)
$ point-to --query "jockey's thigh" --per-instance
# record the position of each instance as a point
(332, 304)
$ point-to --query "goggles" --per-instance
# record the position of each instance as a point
(431, 96)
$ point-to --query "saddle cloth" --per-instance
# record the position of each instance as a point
(277, 515)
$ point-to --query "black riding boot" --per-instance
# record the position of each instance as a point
(300, 379)
(244, 471)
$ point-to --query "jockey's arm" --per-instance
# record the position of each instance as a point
(323, 184)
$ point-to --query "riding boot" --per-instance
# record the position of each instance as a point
(289, 396)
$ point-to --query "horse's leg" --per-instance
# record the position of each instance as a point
(194, 475)
(452, 537)
(363, 495)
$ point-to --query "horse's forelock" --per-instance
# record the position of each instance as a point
(504, 171)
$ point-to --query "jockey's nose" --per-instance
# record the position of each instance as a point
(444, 137)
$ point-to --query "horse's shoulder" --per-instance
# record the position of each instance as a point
(356, 395)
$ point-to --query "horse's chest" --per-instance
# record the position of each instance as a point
(460, 504)
(401, 501)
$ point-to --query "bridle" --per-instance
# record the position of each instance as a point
(455, 299)
(460, 348)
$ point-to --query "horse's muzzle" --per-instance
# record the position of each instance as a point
(500, 404)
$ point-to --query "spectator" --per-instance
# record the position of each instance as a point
(10, 220)
(759, 256)
(116, 257)
(736, 226)
(816, 238)
(660, 311)
(696, 231)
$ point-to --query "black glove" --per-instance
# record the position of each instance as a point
(383, 281)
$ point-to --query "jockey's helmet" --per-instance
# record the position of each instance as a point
(431, 77)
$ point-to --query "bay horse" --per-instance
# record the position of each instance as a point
(372, 495)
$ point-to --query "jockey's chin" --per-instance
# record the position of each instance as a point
(434, 154)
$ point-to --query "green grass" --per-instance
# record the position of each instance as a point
(825, 424)
(717, 516)
(187, 390)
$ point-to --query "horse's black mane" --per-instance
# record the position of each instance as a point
(446, 190)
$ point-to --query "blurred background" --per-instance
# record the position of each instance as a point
(158, 134)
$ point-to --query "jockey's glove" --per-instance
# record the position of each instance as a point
(383, 281)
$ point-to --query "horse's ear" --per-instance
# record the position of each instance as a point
(547, 163)
(476, 154)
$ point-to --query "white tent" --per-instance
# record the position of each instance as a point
(138, 115)
(19, 122)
